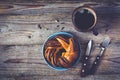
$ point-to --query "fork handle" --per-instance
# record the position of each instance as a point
(96, 62)
(95, 65)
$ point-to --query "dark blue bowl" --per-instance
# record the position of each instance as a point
(53, 36)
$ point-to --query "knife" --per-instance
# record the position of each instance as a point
(103, 46)
(85, 60)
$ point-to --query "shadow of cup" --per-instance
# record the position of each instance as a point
(84, 19)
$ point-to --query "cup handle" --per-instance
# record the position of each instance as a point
(95, 31)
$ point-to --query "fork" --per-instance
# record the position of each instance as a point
(103, 46)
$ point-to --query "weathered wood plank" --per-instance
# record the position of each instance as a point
(62, 77)
(22, 34)
(36, 29)
(28, 24)
(20, 59)
(54, 1)
(43, 8)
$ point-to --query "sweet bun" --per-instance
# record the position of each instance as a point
(61, 51)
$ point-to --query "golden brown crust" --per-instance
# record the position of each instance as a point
(57, 57)
(52, 43)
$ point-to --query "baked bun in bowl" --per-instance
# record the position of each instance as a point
(61, 51)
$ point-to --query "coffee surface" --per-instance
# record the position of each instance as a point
(84, 19)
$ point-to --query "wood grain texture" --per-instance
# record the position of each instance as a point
(25, 25)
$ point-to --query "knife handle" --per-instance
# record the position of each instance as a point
(84, 66)
(95, 65)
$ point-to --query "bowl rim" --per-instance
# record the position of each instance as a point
(60, 68)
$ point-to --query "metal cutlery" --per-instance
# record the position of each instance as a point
(103, 46)
(85, 60)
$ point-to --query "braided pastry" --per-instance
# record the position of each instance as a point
(61, 51)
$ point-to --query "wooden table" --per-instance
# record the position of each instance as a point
(25, 25)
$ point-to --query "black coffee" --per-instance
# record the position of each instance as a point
(84, 19)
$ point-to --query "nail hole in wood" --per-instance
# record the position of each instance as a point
(58, 25)
(62, 28)
(56, 20)
(47, 28)
(29, 36)
(39, 26)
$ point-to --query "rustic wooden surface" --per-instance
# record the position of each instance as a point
(25, 25)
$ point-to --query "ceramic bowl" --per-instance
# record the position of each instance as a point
(53, 36)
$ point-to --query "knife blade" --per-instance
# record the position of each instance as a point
(95, 64)
(85, 59)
